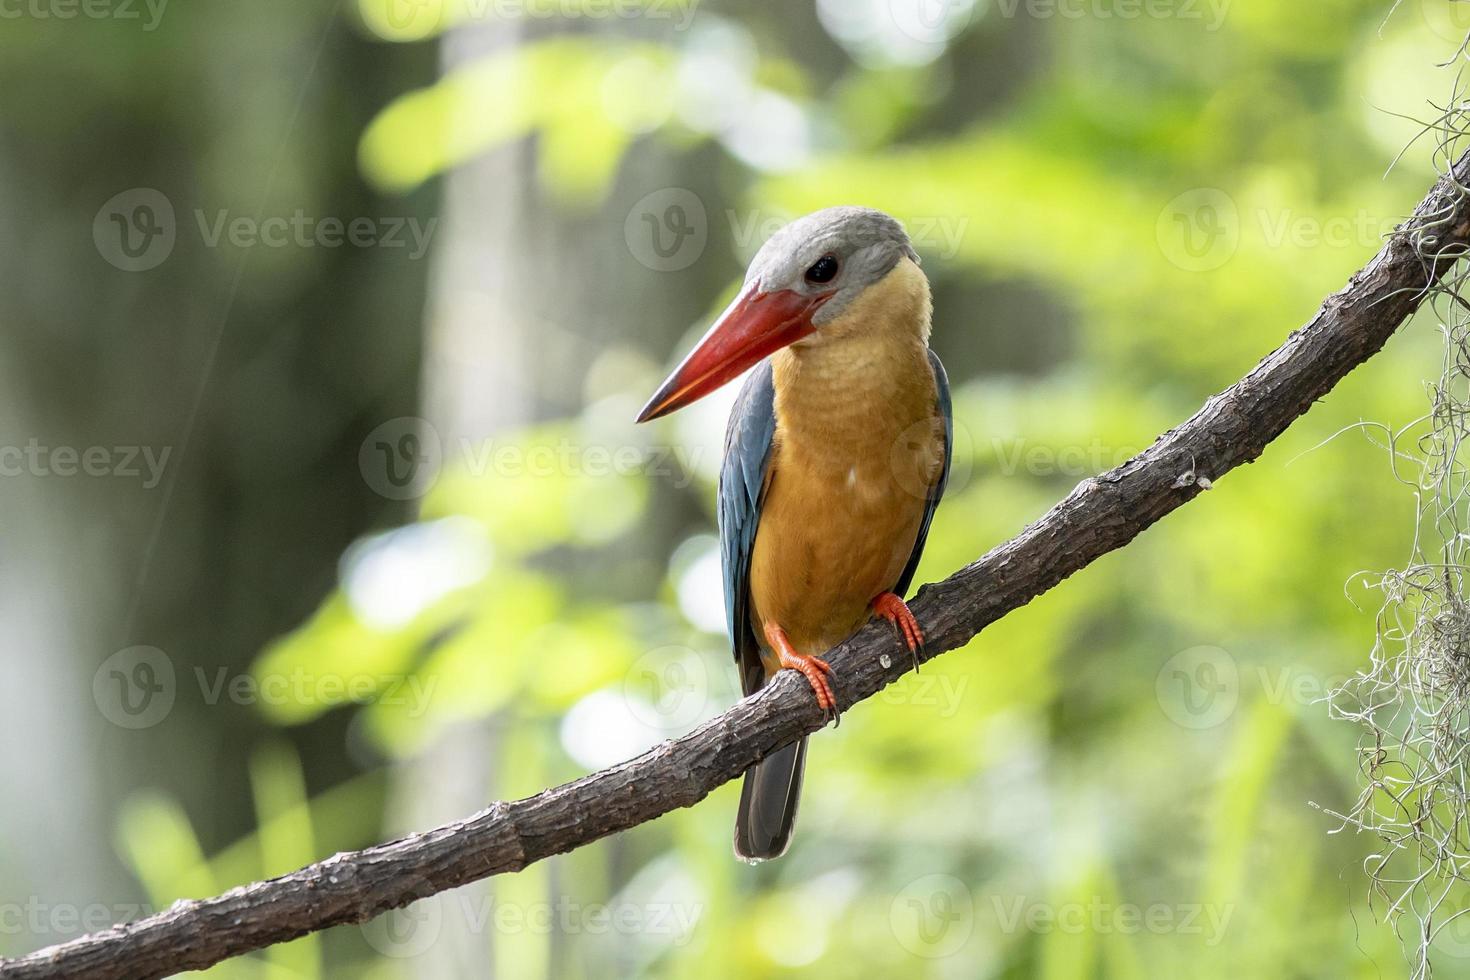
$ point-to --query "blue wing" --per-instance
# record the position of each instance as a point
(748, 441)
(941, 384)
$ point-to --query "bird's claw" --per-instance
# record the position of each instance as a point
(814, 669)
(896, 611)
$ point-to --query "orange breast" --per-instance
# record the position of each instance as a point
(851, 471)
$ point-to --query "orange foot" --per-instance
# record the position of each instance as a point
(896, 611)
(813, 669)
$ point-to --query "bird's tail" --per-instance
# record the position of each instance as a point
(768, 802)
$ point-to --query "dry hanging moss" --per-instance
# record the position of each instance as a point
(1413, 700)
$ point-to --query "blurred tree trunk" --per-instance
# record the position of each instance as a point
(500, 284)
(526, 297)
(252, 368)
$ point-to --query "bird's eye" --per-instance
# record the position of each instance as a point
(822, 270)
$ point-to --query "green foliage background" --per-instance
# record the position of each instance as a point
(1125, 779)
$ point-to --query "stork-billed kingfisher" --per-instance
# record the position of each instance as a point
(836, 455)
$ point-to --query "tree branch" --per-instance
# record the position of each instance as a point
(1102, 514)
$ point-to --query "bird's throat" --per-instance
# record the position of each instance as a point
(850, 390)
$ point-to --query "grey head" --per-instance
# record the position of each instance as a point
(841, 250)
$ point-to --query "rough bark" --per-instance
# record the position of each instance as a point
(1102, 514)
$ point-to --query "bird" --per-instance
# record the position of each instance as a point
(836, 455)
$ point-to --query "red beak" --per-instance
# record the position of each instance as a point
(756, 325)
